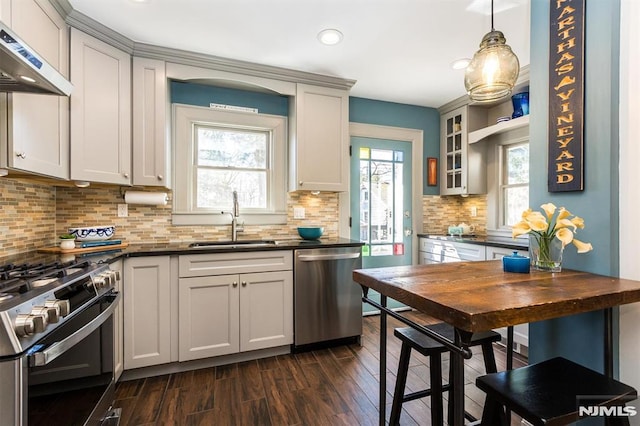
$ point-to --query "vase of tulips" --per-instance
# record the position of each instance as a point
(549, 234)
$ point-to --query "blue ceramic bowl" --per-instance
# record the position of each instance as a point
(310, 233)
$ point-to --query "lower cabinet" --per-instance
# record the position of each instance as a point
(118, 326)
(147, 311)
(226, 314)
(494, 253)
(182, 308)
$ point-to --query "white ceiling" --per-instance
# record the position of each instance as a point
(397, 50)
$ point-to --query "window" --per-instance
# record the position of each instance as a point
(514, 187)
(218, 152)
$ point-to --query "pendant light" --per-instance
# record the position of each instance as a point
(494, 69)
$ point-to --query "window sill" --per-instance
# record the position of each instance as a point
(181, 219)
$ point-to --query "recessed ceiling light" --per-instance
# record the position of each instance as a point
(460, 64)
(330, 36)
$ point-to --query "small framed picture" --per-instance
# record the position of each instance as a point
(432, 171)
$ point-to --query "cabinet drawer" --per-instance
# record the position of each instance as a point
(200, 265)
(459, 252)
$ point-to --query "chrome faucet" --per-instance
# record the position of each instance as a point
(235, 227)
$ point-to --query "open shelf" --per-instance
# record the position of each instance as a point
(516, 123)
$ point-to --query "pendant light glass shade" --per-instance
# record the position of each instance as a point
(493, 71)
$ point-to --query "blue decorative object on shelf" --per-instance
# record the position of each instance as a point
(520, 103)
(515, 263)
(94, 233)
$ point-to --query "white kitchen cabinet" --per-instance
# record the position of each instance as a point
(463, 166)
(100, 111)
(221, 313)
(319, 146)
(494, 253)
(147, 311)
(434, 250)
(151, 143)
(118, 326)
(34, 129)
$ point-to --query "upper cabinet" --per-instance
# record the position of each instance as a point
(463, 168)
(319, 148)
(100, 111)
(151, 144)
(34, 129)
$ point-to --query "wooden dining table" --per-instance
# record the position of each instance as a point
(480, 296)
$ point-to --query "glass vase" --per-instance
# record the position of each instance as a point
(545, 253)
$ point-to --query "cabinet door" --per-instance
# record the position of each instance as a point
(118, 324)
(150, 140)
(494, 253)
(266, 310)
(208, 316)
(37, 126)
(320, 139)
(453, 146)
(147, 307)
(100, 111)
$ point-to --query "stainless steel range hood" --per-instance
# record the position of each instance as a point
(23, 70)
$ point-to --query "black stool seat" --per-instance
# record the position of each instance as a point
(546, 393)
(414, 339)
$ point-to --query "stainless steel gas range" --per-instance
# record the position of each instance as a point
(56, 343)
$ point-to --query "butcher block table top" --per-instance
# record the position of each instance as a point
(479, 296)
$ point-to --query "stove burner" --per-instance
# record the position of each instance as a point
(5, 296)
(42, 282)
(22, 277)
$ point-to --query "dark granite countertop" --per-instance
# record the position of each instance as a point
(483, 240)
(139, 250)
(136, 250)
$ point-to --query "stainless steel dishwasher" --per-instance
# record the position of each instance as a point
(328, 303)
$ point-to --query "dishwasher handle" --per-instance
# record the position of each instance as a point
(337, 256)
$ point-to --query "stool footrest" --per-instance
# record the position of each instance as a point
(421, 394)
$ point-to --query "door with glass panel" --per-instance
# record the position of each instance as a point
(381, 202)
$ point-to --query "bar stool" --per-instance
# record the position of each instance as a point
(414, 339)
(546, 393)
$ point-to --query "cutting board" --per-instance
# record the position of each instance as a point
(85, 249)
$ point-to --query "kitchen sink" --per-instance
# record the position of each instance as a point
(233, 244)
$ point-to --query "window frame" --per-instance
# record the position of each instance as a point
(495, 172)
(503, 185)
(185, 119)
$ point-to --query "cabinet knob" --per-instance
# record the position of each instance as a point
(22, 155)
(244, 283)
(126, 175)
(235, 284)
(160, 177)
(300, 183)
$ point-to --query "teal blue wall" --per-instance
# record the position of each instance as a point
(383, 113)
(580, 337)
(203, 95)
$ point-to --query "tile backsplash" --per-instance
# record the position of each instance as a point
(440, 212)
(28, 216)
(34, 214)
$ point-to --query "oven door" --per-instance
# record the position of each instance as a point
(70, 373)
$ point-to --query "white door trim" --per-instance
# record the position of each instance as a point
(415, 137)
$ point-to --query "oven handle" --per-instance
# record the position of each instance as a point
(53, 351)
(311, 258)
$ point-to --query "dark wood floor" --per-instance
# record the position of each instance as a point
(336, 386)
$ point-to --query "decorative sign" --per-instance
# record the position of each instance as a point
(432, 171)
(566, 96)
(233, 108)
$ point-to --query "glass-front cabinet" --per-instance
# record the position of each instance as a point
(463, 169)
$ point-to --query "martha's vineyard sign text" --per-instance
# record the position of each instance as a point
(566, 96)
